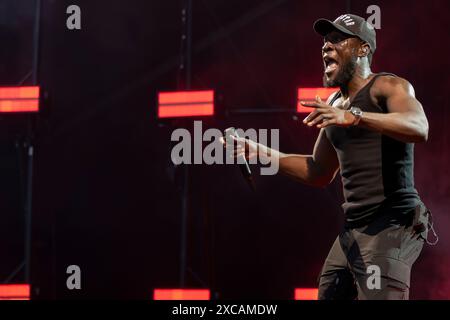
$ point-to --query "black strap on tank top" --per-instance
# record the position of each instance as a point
(335, 97)
(339, 94)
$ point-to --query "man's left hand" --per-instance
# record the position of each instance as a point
(325, 115)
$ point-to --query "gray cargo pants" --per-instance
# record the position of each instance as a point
(351, 269)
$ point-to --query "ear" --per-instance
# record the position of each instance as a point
(364, 50)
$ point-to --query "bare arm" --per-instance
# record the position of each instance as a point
(318, 169)
(405, 120)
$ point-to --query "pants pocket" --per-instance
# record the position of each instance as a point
(390, 281)
(421, 220)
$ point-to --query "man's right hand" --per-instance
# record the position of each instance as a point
(241, 147)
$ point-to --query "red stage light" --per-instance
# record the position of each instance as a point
(308, 94)
(185, 104)
(19, 99)
(306, 293)
(181, 294)
(14, 292)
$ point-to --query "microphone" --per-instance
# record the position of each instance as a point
(242, 161)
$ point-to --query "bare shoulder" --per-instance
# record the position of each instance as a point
(387, 85)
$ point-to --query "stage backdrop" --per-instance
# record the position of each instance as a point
(108, 198)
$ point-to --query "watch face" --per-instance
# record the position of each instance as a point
(356, 111)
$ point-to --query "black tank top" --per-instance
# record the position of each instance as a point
(376, 170)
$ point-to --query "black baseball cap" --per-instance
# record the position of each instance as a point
(349, 24)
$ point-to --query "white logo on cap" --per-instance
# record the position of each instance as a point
(346, 19)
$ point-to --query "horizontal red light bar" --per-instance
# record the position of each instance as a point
(185, 104)
(186, 111)
(19, 92)
(306, 293)
(308, 94)
(19, 105)
(14, 292)
(181, 294)
(186, 96)
(19, 99)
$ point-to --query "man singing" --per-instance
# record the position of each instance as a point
(367, 131)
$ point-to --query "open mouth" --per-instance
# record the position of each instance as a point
(330, 65)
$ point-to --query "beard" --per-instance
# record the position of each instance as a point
(344, 75)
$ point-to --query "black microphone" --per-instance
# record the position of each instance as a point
(242, 161)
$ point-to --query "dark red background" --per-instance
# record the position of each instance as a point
(106, 196)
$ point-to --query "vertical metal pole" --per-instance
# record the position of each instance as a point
(36, 36)
(30, 149)
(184, 216)
(187, 36)
(28, 208)
(188, 43)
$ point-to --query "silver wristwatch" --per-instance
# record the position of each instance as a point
(357, 112)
